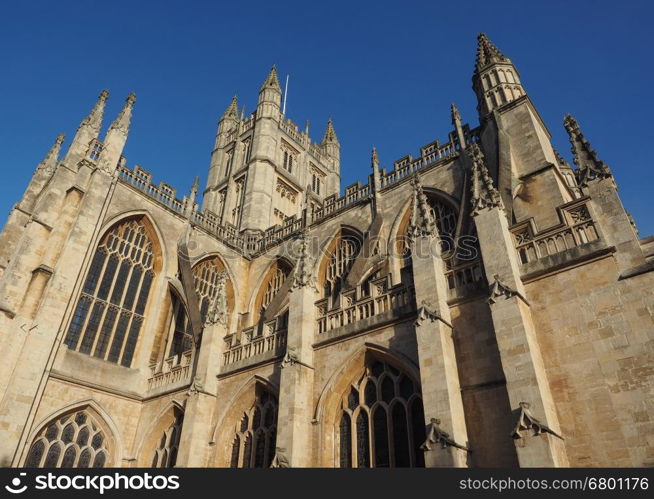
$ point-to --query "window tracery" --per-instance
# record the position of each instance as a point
(253, 445)
(110, 311)
(382, 420)
(165, 456)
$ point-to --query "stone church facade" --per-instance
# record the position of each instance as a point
(482, 304)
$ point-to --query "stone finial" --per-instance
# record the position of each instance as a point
(589, 166)
(232, 110)
(330, 133)
(456, 116)
(423, 222)
(484, 195)
(436, 436)
(376, 178)
(374, 159)
(122, 122)
(94, 119)
(487, 53)
(303, 275)
(527, 421)
(49, 163)
(217, 313)
(195, 186)
(272, 81)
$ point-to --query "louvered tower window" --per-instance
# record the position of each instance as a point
(72, 441)
(110, 311)
(382, 422)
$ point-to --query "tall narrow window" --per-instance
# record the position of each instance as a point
(382, 421)
(165, 455)
(340, 262)
(71, 441)
(182, 339)
(107, 319)
(254, 443)
(206, 275)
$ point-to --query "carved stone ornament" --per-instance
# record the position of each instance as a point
(303, 275)
(290, 359)
(196, 386)
(484, 195)
(217, 313)
(498, 289)
(423, 223)
(436, 436)
(527, 421)
(280, 460)
(589, 166)
(426, 314)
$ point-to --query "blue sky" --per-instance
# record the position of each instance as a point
(385, 71)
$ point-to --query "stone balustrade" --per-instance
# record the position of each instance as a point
(251, 343)
(171, 370)
(577, 228)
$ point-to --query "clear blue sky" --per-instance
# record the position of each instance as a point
(385, 71)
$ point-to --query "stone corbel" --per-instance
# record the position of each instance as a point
(436, 436)
(527, 421)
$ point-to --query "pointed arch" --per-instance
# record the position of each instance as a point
(230, 422)
(337, 256)
(115, 297)
(272, 278)
(83, 433)
(206, 270)
(329, 409)
(160, 441)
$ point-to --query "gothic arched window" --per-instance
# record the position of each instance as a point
(71, 441)
(206, 275)
(340, 261)
(253, 445)
(109, 313)
(382, 421)
(165, 455)
(182, 333)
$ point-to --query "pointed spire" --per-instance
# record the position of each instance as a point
(243, 112)
(195, 186)
(330, 134)
(232, 110)
(487, 53)
(122, 122)
(49, 163)
(94, 119)
(423, 223)
(374, 163)
(589, 166)
(456, 116)
(272, 81)
(483, 193)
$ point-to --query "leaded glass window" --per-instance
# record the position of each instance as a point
(254, 443)
(165, 455)
(382, 421)
(446, 219)
(206, 275)
(109, 314)
(72, 441)
(182, 333)
(340, 262)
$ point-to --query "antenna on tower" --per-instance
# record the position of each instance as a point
(285, 96)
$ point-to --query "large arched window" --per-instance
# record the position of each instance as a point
(382, 422)
(74, 440)
(206, 275)
(165, 455)
(109, 313)
(253, 445)
(272, 283)
(341, 259)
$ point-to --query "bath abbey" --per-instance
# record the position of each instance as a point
(486, 302)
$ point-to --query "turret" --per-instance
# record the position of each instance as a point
(270, 96)
(496, 80)
(114, 141)
(87, 132)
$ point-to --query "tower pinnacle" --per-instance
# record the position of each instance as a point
(487, 53)
(589, 166)
(50, 161)
(232, 110)
(330, 133)
(272, 81)
(122, 121)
